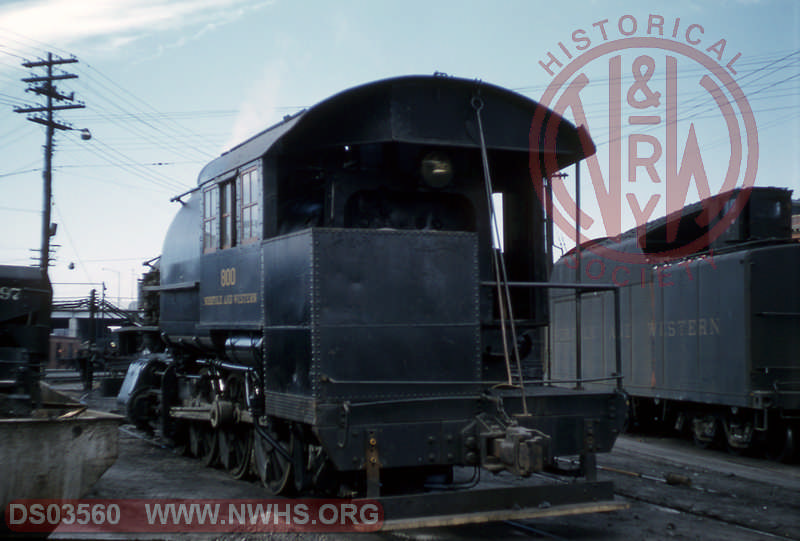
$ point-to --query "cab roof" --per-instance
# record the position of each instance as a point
(429, 110)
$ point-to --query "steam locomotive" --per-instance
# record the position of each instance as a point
(335, 309)
(709, 339)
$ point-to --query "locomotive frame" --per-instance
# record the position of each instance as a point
(335, 318)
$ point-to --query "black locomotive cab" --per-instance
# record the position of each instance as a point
(332, 305)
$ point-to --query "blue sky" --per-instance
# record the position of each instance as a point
(170, 84)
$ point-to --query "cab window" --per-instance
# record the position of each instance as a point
(249, 189)
(210, 219)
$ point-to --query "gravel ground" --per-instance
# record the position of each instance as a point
(718, 496)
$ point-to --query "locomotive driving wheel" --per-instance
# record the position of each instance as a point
(202, 437)
(236, 439)
(274, 469)
(203, 442)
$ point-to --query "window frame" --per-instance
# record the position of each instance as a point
(211, 218)
(232, 210)
(248, 197)
(227, 214)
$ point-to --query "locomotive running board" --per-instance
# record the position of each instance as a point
(436, 509)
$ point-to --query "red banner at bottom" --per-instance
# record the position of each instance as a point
(178, 515)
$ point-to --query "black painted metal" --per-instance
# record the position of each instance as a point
(393, 306)
(354, 314)
(359, 312)
(413, 109)
(25, 305)
(719, 327)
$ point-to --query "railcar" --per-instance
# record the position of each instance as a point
(709, 339)
(333, 306)
(25, 303)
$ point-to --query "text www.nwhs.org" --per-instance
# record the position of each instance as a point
(328, 514)
(194, 515)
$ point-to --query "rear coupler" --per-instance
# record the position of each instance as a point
(507, 446)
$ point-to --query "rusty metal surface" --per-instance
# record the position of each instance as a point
(59, 457)
(493, 504)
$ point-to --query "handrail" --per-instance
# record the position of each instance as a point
(583, 288)
(184, 194)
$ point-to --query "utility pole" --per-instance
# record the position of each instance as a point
(56, 101)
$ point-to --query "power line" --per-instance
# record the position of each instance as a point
(72, 243)
(11, 209)
(153, 123)
(211, 113)
(140, 164)
(140, 188)
(152, 120)
(762, 61)
(13, 173)
(41, 46)
(123, 161)
(700, 103)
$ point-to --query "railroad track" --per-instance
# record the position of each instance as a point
(679, 509)
(756, 496)
(682, 453)
(695, 494)
(721, 498)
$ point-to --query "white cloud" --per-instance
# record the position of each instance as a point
(116, 22)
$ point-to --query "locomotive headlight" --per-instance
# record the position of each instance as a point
(437, 169)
